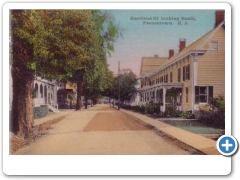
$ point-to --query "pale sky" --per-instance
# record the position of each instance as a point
(141, 38)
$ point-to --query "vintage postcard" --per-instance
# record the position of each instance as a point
(110, 83)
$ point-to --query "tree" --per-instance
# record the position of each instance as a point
(23, 76)
(47, 43)
(92, 80)
(127, 82)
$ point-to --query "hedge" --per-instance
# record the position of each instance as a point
(39, 112)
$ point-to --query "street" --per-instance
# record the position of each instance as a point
(100, 130)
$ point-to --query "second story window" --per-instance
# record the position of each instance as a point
(166, 78)
(171, 80)
(187, 76)
(179, 75)
(186, 72)
(214, 46)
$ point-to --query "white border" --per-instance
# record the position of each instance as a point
(115, 165)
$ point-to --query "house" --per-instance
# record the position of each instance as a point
(195, 75)
(44, 92)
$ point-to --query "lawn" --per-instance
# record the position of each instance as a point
(195, 126)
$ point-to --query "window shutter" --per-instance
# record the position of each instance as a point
(179, 75)
(196, 94)
(210, 94)
(189, 72)
(184, 70)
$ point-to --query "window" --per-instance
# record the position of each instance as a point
(203, 94)
(171, 77)
(214, 46)
(186, 95)
(41, 90)
(186, 72)
(187, 75)
(166, 78)
(179, 75)
(36, 90)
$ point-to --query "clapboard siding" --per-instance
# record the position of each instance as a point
(211, 66)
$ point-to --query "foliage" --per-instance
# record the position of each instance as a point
(219, 103)
(187, 115)
(139, 109)
(59, 44)
(39, 112)
(171, 95)
(214, 113)
(151, 108)
(126, 83)
(172, 112)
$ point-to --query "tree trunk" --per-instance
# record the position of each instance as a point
(79, 95)
(86, 102)
(22, 122)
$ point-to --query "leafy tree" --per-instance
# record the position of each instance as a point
(127, 83)
(91, 81)
(48, 43)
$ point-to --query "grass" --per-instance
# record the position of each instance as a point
(195, 126)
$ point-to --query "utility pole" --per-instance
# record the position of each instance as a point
(118, 85)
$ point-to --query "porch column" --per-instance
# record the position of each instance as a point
(194, 78)
(155, 96)
(163, 107)
(164, 99)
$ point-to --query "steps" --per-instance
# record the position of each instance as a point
(53, 108)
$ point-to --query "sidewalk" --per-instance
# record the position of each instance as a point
(198, 142)
(52, 117)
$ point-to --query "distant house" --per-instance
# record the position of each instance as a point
(44, 92)
(196, 74)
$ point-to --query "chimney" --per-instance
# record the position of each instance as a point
(171, 53)
(182, 44)
(219, 17)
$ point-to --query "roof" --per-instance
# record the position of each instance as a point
(196, 47)
(151, 64)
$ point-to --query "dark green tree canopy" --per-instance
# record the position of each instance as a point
(127, 83)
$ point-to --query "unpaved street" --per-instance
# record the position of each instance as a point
(100, 130)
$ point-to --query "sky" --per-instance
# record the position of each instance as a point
(146, 33)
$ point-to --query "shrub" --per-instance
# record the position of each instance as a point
(39, 112)
(219, 103)
(187, 115)
(151, 108)
(172, 112)
(213, 114)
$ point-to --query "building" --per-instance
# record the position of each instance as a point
(195, 74)
(45, 93)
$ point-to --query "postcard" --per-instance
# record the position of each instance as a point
(117, 89)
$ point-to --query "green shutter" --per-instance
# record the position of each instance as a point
(210, 94)
(189, 72)
(196, 94)
(184, 70)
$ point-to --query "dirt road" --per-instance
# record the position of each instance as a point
(100, 130)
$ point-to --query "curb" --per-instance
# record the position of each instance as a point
(209, 149)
